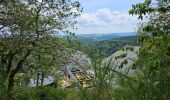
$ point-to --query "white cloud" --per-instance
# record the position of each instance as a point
(106, 21)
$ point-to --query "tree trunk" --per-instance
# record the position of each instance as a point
(9, 66)
(42, 79)
(10, 85)
(38, 77)
(13, 73)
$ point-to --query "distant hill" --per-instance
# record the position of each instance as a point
(109, 46)
(102, 37)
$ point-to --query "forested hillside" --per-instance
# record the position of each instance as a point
(104, 36)
(108, 47)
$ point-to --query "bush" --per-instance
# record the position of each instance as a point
(41, 93)
(3, 89)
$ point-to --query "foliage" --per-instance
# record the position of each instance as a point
(149, 7)
(27, 29)
(30, 49)
(152, 77)
(108, 47)
(42, 93)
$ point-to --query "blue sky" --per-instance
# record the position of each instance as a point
(118, 5)
(106, 16)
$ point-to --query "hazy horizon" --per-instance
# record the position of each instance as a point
(103, 33)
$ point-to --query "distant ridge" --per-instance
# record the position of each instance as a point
(108, 36)
(120, 33)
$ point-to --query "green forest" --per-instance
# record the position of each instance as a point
(36, 63)
(107, 47)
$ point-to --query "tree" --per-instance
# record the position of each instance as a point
(29, 26)
(161, 6)
(153, 64)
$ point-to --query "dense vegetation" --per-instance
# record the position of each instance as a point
(109, 47)
(26, 38)
(28, 49)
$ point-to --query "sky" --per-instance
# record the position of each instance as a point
(106, 16)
